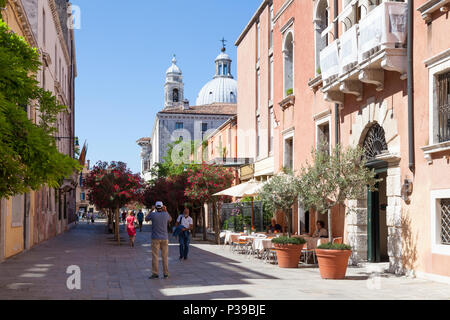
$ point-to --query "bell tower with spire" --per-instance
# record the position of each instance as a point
(174, 86)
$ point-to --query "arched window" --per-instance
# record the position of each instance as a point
(320, 24)
(175, 95)
(288, 64)
(225, 69)
(374, 142)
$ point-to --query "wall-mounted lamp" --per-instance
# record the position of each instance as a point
(407, 190)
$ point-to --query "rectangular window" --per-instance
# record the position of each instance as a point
(271, 126)
(323, 136)
(82, 196)
(445, 221)
(258, 136)
(18, 207)
(289, 153)
(179, 125)
(443, 112)
(257, 40)
(204, 127)
(43, 26)
(271, 79)
(258, 91)
(271, 28)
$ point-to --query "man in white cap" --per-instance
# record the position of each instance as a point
(160, 238)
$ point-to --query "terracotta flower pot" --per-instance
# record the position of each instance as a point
(288, 255)
(333, 263)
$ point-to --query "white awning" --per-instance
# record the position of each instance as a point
(247, 189)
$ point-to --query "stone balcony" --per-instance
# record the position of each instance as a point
(364, 52)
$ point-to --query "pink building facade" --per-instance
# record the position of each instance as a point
(340, 75)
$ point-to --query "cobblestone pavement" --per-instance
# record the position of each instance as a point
(211, 272)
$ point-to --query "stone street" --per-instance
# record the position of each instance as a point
(211, 272)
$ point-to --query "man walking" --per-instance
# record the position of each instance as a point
(184, 236)
(160, 239)
(140, 218)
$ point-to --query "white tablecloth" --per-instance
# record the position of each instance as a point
(260, 244)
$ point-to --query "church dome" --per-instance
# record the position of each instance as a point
(223, 88)
(218, 90)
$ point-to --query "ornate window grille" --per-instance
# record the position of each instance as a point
(445, 221)
(375, 142)
(443, 89)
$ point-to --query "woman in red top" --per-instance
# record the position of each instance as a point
(131, 220)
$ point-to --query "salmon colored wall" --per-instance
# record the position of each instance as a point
(429, 40)
(246, 100)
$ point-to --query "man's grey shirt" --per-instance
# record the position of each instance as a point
(159, 224)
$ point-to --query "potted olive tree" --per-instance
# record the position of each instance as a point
(280, 193)
(331, 180)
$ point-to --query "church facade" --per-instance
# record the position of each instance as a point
(215, 104)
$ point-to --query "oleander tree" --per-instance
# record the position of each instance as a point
(281, 193)
(203, 183)
(113, 186)
(29, 155)
(333, 178)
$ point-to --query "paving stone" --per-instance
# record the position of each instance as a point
(109, 271)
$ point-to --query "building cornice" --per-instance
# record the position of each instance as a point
(431, 6)
(252, 21)
(59, 31)
(437, 58)
(283, 8)
(25, 23)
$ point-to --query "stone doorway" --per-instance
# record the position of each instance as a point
(375, 129)
(377, 230)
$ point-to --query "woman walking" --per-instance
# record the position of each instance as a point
(131, 227)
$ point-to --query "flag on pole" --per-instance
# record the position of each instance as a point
(83, 154)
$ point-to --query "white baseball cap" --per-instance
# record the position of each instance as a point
(159, 204)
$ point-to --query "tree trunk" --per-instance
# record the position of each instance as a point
(203, 222)
(330, 227)
(288, 222)
(194, 218)
(117, 226)
(216, 223)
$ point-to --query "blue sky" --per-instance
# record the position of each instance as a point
(123, 51)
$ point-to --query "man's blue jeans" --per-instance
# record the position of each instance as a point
(184, 238)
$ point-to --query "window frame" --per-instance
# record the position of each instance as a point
(440, 67)
(436, 246)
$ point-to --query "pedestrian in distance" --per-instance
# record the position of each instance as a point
(160, 238)
(140, 218)
(131, 227)
(124, 216)
(184, 225)
(92, 217)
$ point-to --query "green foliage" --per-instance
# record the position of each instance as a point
(334, 246)
(176, 162)
(280, 193)
(288, 240)
(319, 71)
(334, 178)
(289, 91)
(29, 156)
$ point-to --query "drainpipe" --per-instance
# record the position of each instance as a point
(336, 106)
(410, 85)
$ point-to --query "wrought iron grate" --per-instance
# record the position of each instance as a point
(443, 88)
(445, 221)
(375, 142)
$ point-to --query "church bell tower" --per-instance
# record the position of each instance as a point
(174, 86)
